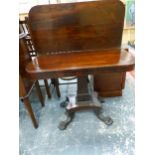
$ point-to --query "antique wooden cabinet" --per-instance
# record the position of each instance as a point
(109, 84)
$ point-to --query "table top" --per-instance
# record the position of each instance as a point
(92, 25)
(76, 39)
(80, 63)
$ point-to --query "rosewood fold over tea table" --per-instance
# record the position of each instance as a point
(78, 39)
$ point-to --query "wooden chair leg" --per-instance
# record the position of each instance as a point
(52, 81)
(38, 90)
(47, 88)
(30, 111)
(56, 84)
(23, 93)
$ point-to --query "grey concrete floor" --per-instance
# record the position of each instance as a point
(86, 135)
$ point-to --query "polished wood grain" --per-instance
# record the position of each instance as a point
(109, 84)
(78, 39)
(81, 63)
(78, 26)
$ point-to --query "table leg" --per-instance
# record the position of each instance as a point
(85, 99)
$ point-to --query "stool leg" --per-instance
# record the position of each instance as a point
(52, 81)
(47, 88)
(38, 90)
(56, 85)
(30, 111)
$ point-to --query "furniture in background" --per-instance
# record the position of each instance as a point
(79, 39)
(112, 84)
(23, 28)
(109, 84)
(24, 92)
(26, 85)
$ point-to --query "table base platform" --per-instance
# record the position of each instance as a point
(86, 99)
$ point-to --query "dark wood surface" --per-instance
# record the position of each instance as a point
(109, 84)
(81, 63)
(24, 57)
(78, 39)
(26, 85)
(77, 27)
(94, 25)
(27, 104)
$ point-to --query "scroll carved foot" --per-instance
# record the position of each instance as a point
(63, 124)
(106, 119)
